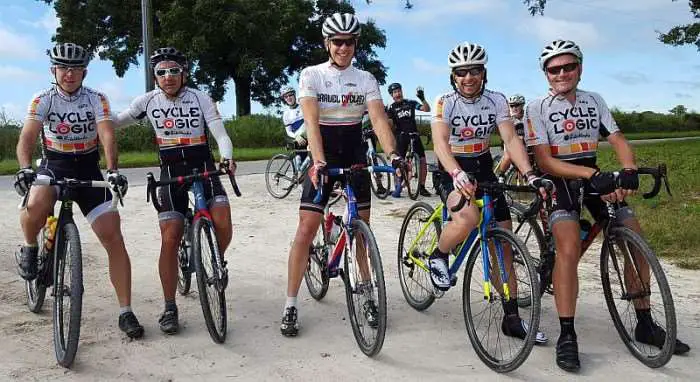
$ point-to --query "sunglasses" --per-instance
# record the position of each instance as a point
(514, 105)
(567, 68)
(338, 42)
(474, 71)
(170, 71)
(76, 69)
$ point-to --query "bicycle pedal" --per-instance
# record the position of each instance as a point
(438, 293)
(453, 280)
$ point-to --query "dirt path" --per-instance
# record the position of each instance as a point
(418, 346)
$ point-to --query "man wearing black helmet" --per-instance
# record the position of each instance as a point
(402, 113)
(181, 118)
(71, 119)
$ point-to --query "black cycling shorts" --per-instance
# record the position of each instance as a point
(403, 139)
(481, 168)
(93, 202)
(343, 147)
(173, 198)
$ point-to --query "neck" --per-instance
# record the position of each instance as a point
(60, 89)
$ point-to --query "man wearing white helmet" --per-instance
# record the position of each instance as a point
(516, 104)
(564, 127)
(294, 124)
(462, 124)
(71, 120)
(333, 97)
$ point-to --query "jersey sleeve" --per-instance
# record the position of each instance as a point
(372, 88)
(103, 112)
(439, 109)
(308, 83)
(209, 109)
(536, 133)
(38, 108)
(608, 125)
(416, 105)
(502, 110)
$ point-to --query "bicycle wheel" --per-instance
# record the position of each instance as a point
(412, 180)
(316, 274)
(415, 281)
(623, 250)
(365, 290)
(184, 272)
(380, 179)
(36, 289)
(484, 317)
(210, 284)
(280, 176)
(66, 319)
(529, 231)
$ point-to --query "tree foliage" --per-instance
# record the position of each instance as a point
(257, 44)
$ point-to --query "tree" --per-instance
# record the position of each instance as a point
(257, 44)
(679, 110)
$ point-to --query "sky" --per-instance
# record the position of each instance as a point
(623, 59)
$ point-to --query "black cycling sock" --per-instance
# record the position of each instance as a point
(170, 306)
(567, 326)
(510, 307)
(644, 316)
(438, 253)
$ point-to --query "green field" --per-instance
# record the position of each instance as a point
(670, 223)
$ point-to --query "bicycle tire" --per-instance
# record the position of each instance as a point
(666, 352)
(66, 344)
(380, 161)
(405, 263)
(370, 349)
(36, 289)
(184, 273)
(209, 279)
(412, 183)
(273, 179)
(316, 274)
(501, 366)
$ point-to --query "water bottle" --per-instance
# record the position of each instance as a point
(297, 163)
(50, 232)
(585, 228)
(305, 164)
(335, 231)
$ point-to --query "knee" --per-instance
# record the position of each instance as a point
(306, 231)
(467, 217)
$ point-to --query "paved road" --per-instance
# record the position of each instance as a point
(137, 176)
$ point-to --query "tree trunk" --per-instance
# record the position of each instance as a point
(242, 95)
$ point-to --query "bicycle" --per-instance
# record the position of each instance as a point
(412, 160)
(629, 289)
(283, 174)
(486, 241)
(364, 290)
(60, 251)
(514, 177)
(374, 159)
(199, 235)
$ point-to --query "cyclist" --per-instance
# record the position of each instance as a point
(294, 124)
(564, 127)
(462, 123)
(333, 97)
(181, 117)
(367, 132)
(71, 120)
(402, 114)
(516, 104)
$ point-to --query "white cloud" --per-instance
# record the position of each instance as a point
(115, 90)
(13, 112)
(548, 29)
(427, 12)
(16, 46)
(48, 21)
(17, 74)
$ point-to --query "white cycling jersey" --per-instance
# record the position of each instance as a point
(293, 121)
(471, 122)
(342, 94)
(180, 122)
(571, 131)
(69, 121)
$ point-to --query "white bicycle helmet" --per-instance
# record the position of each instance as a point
(516, 99)
(467, 53)
(288, 89)
(69, 54)
(337, 23)
(557, 48)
